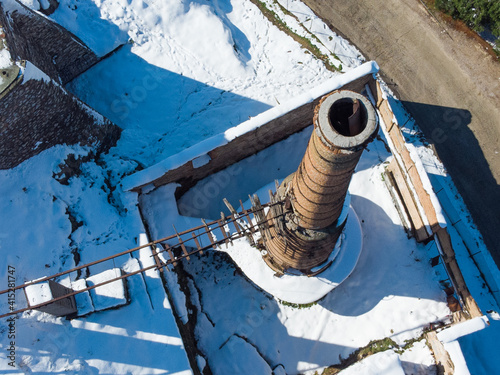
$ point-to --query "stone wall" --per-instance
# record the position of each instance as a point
(34, 37)
(38, 113)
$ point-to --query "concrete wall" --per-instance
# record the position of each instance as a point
(417, 193)
(36, 114)
(32, 36)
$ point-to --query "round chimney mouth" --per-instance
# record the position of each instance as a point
(348, 116)
(346, 120)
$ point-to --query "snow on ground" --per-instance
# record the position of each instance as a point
(186, 72)
(325, 39)
(168, 90)
(418, 359)
(387, 363)
(37, 237)
(5, 61)
(109, 295)
(392, 292)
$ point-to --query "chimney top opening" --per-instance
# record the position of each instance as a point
(348, 116)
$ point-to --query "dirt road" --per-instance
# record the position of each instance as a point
(448, 82)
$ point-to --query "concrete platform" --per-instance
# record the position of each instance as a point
(301, 289)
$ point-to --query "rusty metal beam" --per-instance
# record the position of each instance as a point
(158, 263)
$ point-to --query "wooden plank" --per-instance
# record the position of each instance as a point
(455, 274)
(400, 145)
(425, 199)
(181, 242)
(233, 216)
(277, 213)
(376, 91)
(471, 305)
(443, 359)
(245, 213)
(271, 196)
(248, 235)
(387, 115)
(209, 233)
(170, 253)
(158, 262)
(390, 184)
(448, 255)
(261, 219)
(419, 230)
(237, 227)
(229, 206)
(415, 179)
(222, 223)
(195, 238)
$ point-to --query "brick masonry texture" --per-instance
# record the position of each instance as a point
(36, 115)
(33, 37)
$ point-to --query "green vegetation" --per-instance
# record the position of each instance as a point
(373, 347)
(303, 41)
(297, 305)
(475, 13)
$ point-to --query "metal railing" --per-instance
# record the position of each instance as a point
(237, 219)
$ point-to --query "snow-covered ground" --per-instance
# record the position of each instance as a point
(189, 70)
(393, 292)
(194, 69)
(37, 239)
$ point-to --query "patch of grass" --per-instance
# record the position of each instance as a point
(469, 18)
(297, 305)
(409, 343)
(330, 371)
(475, 13)
(373, 347)
(313, 47)
(303, 41)
(497, 50)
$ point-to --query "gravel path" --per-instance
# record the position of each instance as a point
(448, 81)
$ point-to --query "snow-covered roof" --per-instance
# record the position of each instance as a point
(156, 171)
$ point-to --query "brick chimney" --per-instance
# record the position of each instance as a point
(305, 233)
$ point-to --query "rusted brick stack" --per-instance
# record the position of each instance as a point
(305, 235)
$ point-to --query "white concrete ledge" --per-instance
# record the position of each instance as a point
(302, 289)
